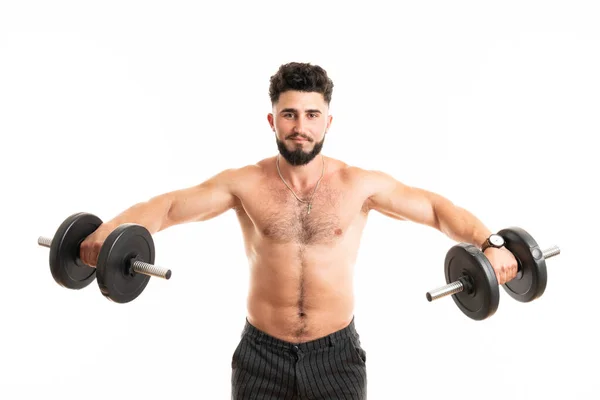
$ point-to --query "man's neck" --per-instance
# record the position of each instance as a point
(301, 176)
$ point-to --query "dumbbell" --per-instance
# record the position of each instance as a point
(472, 282)
(125, 261)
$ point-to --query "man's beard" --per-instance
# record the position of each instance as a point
(299, 156)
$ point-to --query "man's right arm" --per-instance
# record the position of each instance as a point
(198, 203)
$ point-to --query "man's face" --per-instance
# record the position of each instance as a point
(300, 121)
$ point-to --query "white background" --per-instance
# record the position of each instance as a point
(105, 104)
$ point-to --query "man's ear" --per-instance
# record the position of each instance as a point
(271, 121)
(330, 120)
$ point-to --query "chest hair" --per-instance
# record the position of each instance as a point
(286, 219)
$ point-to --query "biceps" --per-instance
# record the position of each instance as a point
(199, 203)
(408, 203)
(420, 206)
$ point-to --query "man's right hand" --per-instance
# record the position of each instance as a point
(90, 247)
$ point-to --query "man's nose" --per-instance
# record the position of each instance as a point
(300, 125)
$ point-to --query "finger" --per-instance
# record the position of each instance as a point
(82, 254)
(89, 255)
(94, 256)
(503, 274)
(86, 255)
(513, 273)
(97, 254)
(83, 250)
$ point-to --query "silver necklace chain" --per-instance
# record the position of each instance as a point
(309, 206)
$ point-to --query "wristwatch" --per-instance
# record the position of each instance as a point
(494, 240)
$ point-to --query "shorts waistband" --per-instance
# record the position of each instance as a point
(262, 337)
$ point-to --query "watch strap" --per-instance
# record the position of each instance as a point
(486, 244)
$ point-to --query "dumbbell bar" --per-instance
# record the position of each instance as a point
(472, 280)
(124, 265)
(138, 266)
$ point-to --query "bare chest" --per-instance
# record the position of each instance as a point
(276, 214)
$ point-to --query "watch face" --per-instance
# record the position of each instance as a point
(496, 240)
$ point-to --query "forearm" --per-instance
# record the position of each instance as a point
(460, 224)
(151, 214)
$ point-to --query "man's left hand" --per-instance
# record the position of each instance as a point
(504, 263)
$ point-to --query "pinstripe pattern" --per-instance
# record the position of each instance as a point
(267, 368)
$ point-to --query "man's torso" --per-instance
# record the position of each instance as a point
(301, 265)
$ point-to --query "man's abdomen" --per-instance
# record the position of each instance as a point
(299, 302)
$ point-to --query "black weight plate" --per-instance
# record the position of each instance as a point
(65, 265)
(125, 243)
(531, 281)
(467, 260)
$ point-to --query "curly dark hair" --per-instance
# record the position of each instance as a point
(300, 76)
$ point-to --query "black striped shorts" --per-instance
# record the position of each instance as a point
(332, 367)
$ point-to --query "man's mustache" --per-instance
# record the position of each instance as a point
(302, 136)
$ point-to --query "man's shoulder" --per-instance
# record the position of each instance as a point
(355, 173)
(368, 181)
(246, 172)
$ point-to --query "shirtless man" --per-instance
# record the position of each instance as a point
(302, 215)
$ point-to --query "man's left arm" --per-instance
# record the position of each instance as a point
(397, 200)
